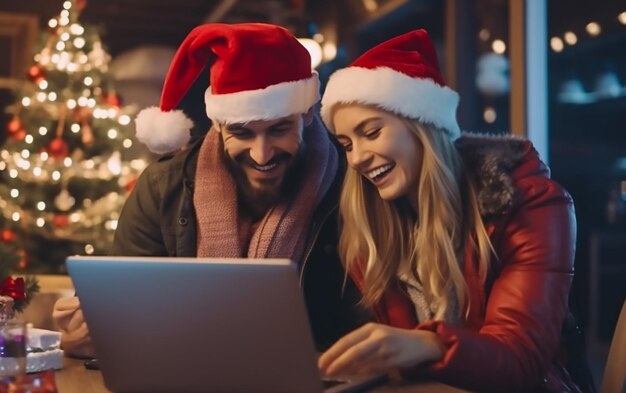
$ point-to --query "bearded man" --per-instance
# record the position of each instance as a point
(263, 183)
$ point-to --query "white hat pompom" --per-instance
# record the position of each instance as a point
(163, 132)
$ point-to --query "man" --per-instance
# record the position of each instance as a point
(263, 183)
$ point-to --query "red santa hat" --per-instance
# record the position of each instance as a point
(401, 76)
(257, 72)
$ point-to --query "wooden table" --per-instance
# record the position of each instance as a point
(75, 378)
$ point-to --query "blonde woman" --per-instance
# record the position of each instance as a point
(461, 244)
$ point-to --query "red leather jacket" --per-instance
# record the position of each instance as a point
(511, 340)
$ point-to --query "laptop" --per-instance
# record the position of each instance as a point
(200, 325)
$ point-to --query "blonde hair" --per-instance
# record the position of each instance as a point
(428, 246)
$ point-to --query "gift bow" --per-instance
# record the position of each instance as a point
(13, 287)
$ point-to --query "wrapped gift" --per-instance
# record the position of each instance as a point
(43, 352)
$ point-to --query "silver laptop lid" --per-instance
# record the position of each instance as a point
(197, 325)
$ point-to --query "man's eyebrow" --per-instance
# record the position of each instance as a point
(282, 123)
(236, 127)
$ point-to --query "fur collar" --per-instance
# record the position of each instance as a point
(489, 160)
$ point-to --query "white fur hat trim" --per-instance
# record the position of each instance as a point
(163, 132)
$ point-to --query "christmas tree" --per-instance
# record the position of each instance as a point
(67, 164)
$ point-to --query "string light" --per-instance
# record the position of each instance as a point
(593, 28)
(556, 44)
(329, 50)
(67, 54)
(77, 29)
(124, 120)
(498, 46)
(622, 18)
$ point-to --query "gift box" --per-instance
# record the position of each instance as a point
(43, 352)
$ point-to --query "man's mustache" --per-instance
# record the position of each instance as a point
(246, 159)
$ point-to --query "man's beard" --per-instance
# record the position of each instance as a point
(270, 191)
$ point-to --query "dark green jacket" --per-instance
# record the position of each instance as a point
(159, 219)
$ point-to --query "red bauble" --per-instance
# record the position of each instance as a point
(14, 125)
(36, 73)
(114, 100)
(18, 136)
(58, 148)
(8, 236)
(61, 221)
(81, 4)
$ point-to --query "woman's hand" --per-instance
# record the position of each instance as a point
(375, 348)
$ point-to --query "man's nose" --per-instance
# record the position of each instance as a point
(261, 151)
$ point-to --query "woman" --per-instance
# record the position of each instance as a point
(461, 245)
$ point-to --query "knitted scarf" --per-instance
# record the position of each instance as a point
(282, 232)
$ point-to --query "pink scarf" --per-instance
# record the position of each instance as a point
(282, 232)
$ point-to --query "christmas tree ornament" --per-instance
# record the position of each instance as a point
(36, 73)
(114, 99)
(8, 236)
(14, 125)
(62, 123)
(58, 148)
(18, 136)
(61, 221)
